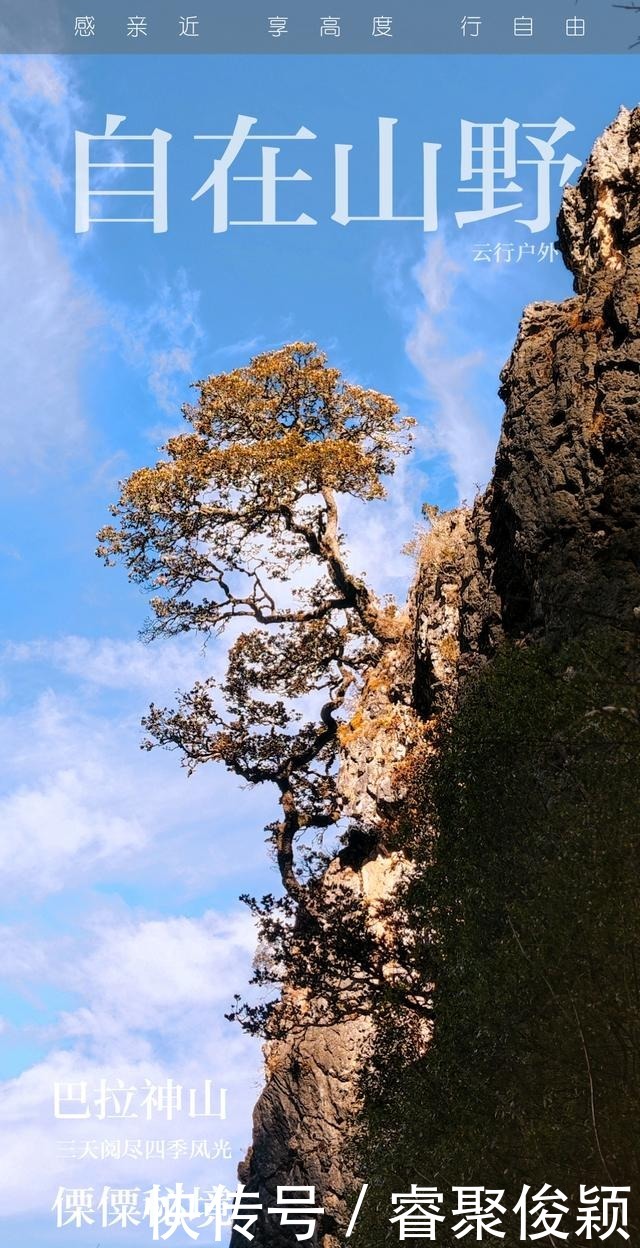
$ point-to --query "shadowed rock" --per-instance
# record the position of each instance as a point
(550, 550)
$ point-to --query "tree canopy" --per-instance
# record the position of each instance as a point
(240, 521)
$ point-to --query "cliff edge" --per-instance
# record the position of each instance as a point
(548, 551)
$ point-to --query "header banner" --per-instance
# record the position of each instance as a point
(322, 27)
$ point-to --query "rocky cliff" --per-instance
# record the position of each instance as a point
(549, 549)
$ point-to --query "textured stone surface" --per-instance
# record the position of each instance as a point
(551, 546)
(379, 734)
(302, 1121)
(558, 528)
(306, 1112)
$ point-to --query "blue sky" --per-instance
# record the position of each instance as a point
(123, 939)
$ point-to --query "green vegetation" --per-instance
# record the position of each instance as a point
(527, 913)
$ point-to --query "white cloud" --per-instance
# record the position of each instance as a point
(148, 992)
(60, 812)
(152, 974)
(47, 324)
(53, 324)
(83, 831)
(82, 804)
(158, 668)
(376, 533)
(48, 316)
(23, 958)
(153, 994)
(451, 377)
(135, 995)
(32, 1140)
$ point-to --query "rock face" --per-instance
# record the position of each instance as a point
(305, 1114)
(302, 1121)
(556, 533)
(551, 548)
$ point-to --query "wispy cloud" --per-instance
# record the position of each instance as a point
(40, 103)
(48, 316)
(377, 533)
(108, 663)
(47, 328)
(454, 402)
(55, 327)
(242, 349)
(161, 339)
(451, 373)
